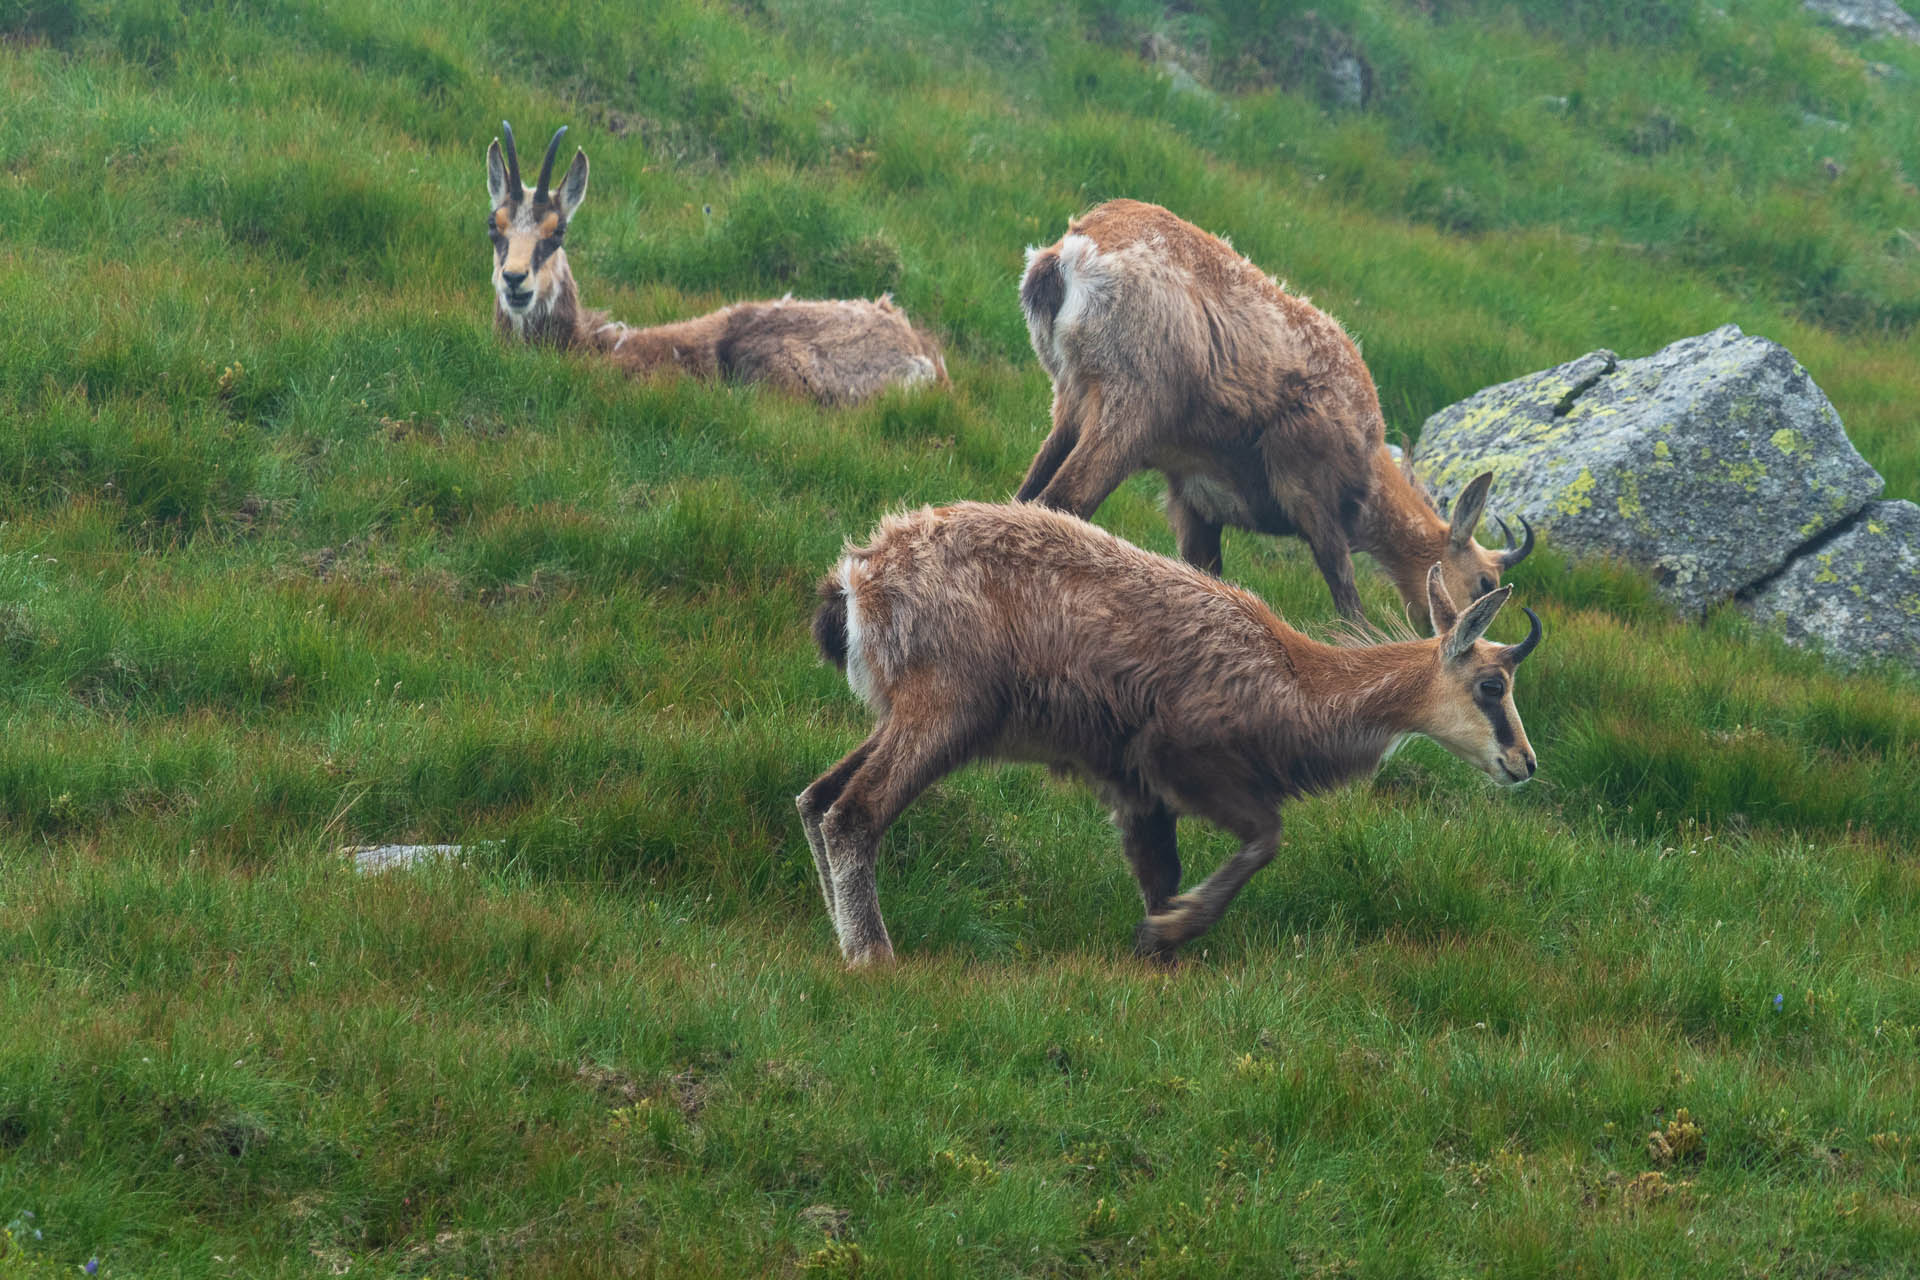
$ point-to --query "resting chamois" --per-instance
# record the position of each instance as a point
(1169, 351)
(1015, 632)
(836, 352)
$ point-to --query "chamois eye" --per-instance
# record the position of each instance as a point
(1492, 688)
(1487, 584)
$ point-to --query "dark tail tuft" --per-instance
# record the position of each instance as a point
(830, 622)
(1043, 289)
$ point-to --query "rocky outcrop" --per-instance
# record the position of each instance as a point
(1855, 594)
(1709, 462)
(1869, 17)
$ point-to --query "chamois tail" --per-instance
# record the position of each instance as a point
(830, 621)
(1044, 288)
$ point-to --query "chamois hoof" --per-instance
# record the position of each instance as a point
(1150, 944)
(880, 957)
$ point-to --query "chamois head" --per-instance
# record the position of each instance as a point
(1470, 708)
(1471, 571)
(527, 228)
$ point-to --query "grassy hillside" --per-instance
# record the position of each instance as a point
(297, 554)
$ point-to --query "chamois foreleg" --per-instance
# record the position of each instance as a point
(1197, 537)
(1328, 541)
(813, 804)
(1147, 837)
(1191, 914)
(906, 755)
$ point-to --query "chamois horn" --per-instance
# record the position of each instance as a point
(1517, 653)
(514, 186)
(546, 166)
(1511, 556)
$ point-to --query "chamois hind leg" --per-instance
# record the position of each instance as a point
(813, 804)
(908, 755)
(1147, 838)
(1068, 406)
(1197, 537)
(1191, 914)
(1104, 456)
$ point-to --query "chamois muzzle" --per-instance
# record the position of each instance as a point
(517, 295)
(1514, 555)
(1526, 762)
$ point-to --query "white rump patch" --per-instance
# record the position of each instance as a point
(1082, 275)
(859, 670)
(920, 372)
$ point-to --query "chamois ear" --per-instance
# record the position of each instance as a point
(1468, 509)
(573, 187)
(496, 175)
(1440, 608)
(1473, 624)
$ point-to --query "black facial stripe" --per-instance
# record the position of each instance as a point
(1502, 727)
(544, 250)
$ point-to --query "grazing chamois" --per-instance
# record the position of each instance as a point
(1021, 633)
(1169, 351)
(835, 352)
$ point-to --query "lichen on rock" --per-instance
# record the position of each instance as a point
(1708, 462)
(1856, 595)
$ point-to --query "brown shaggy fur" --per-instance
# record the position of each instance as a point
(1169, 351)
(836, 352)
(1016, 632)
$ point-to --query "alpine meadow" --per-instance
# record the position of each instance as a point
(298, 554)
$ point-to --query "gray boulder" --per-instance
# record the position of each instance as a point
(1857, 594)
(1869, 17)
(1708, 462)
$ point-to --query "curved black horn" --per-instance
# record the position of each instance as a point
(1514, 555)
(546, 166)
(1517, 653)
(513, 162)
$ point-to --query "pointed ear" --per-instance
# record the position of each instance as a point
(573, 187)
(496, 175)
(1467, 511)
(1440, 608)
(1473, 623)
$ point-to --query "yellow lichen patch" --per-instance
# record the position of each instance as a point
(1578, 496)
(1629, 500)
(1746, 474)
(1826, 573)
(1786, 440)
(1661, 451)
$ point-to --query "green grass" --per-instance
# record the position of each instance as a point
(297, 554)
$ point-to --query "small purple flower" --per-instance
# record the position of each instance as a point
(1779, 999)
(93, 1265)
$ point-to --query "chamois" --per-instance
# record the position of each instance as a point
(1021, 633)
(1169, 351)
(835, 352)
